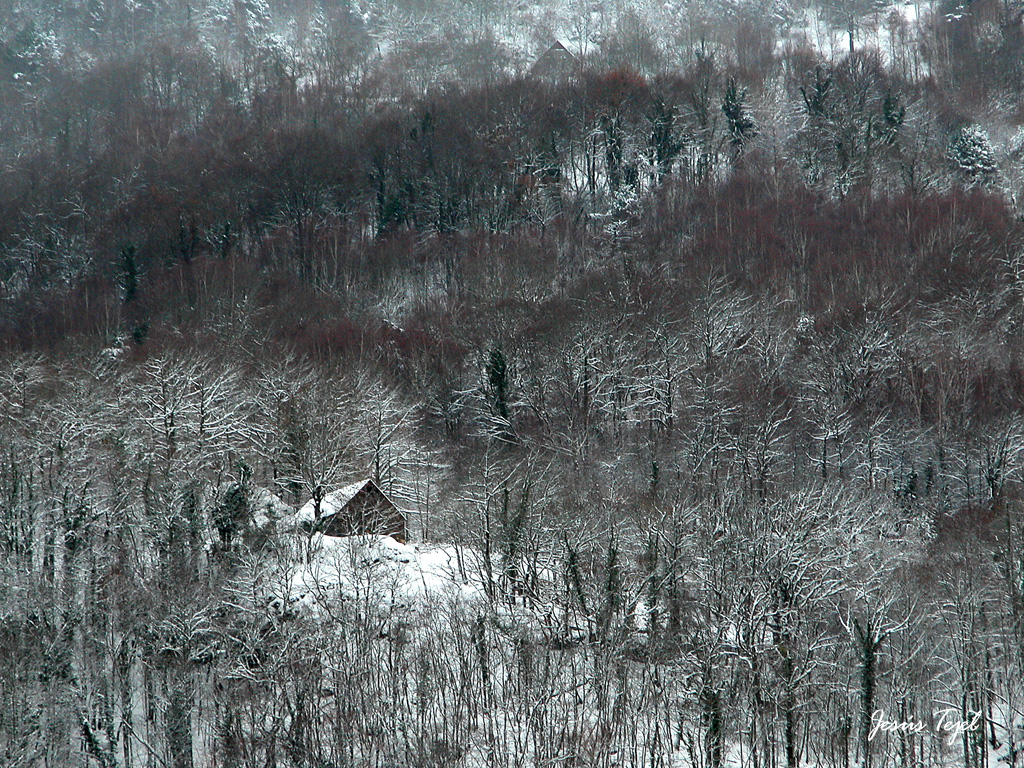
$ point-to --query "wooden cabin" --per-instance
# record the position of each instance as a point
(357, 509)
(555, 64)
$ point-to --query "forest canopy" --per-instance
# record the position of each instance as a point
(697, 358)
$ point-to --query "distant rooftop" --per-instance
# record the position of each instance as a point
(556, 63)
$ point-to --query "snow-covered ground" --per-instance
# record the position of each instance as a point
(424, 588)
(382, 576)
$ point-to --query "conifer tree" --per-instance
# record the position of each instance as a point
(742, 127)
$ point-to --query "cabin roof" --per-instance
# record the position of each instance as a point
(555, 61)
(337, 500)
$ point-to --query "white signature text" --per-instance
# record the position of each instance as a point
(948, 722)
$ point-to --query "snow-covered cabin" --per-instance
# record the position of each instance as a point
(357, 509)
(556, 63)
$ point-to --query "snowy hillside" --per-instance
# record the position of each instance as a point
(409, 586)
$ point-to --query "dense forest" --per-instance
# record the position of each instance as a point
(704, 356)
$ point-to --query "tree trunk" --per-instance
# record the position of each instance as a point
(712, 705)
(179, 721)
(868, 644)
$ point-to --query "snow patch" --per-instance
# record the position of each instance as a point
(382, 577)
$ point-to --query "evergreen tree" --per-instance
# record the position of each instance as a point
(972, 157)
(129, 274)
(664, 142)
(741, 125)
(497, 380)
